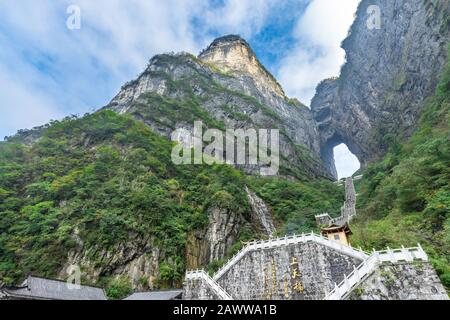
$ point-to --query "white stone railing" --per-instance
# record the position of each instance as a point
(288, 240)
(215, 287)
(370, 264)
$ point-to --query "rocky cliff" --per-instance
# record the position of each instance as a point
(225, 87)
(389, 73)
(390, 70)
(213, 242)
(233, 54)
(400, 281)
(139, 215)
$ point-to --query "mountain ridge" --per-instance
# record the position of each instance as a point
(217, 90)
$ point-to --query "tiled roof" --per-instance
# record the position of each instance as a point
(155, 295)
(40, 288)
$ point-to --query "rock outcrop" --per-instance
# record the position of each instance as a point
(225, 87)
(261, 215)
(213, 243)
(401, 281)
(389, 73)
(138, 259)
(233, 54)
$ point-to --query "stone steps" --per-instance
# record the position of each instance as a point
(288, 240)
(214, 286)
(355, 278)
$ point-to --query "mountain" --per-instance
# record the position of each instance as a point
(101, 191)
(404, 198)
(387, 77)
(225, 87)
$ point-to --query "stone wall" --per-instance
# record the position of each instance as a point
(400, 281)
(198, 289)
(301, 271)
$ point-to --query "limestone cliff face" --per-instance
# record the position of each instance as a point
(233, 54)
(401, 281)
(213, 243)
(226, 85)
(261, 214)
(388, 74)
(137, 258)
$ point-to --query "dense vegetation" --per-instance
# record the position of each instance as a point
(405, 197)
(107, 179)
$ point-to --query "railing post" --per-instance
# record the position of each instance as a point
(346, 284)
(356, 272)
(377, 257)
(406, 254)
(422, 252)
(336, 291)
(364, 266)
(391, 255)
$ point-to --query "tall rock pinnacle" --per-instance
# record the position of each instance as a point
(233, 54)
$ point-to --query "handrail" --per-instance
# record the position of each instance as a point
(201, 274)
(287, 240)
(340, 290)
(368, 265)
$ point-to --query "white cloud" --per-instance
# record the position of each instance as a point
(346, 162)
(245, 17)
(22, 108)
(75, 71)
(319, 33)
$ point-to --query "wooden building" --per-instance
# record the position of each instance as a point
(339, 233)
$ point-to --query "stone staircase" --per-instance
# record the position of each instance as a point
(269, 244)
(285, 241)
(341, 290)
(369, 265)
(214, 286)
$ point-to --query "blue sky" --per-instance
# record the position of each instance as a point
(48, 71)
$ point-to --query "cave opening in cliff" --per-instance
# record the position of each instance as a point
(345, 161)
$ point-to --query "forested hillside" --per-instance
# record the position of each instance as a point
(105, 182)
(405, 197)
